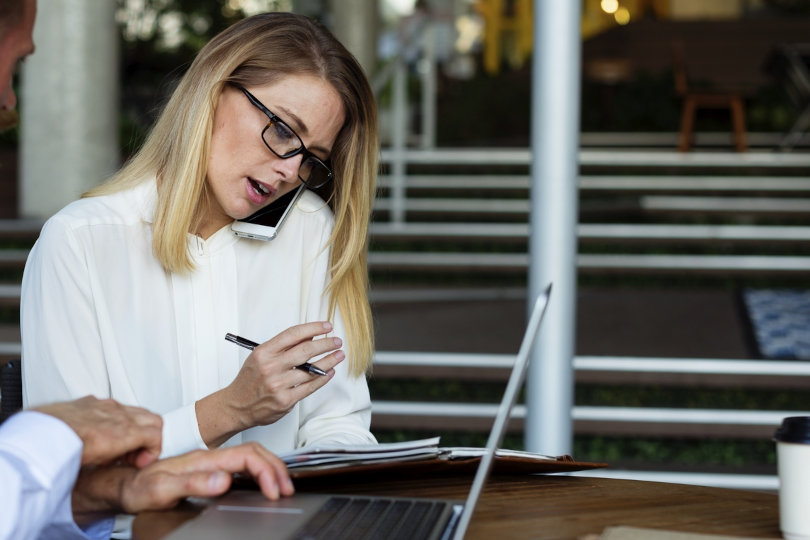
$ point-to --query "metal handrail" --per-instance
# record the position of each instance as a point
(762, 420)
(699, 264)
(600, 231)
(625, 364)
(591, 157)
(611, 182)
(630, 415)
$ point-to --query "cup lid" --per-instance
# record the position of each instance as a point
(794, 429)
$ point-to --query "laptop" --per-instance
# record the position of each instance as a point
(247, 515)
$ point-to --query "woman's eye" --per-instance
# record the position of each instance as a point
(282, 132)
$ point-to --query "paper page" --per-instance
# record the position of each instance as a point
(461, 452)
(363, 452)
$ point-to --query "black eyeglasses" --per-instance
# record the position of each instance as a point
(284, 142)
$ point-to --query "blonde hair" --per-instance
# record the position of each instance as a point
(256, 51)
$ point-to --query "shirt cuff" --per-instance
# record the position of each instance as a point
(101, 529)
(51, 453)
(31, 435)
(181, 432)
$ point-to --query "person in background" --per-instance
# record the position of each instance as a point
(67, 468)
(130, 291)
(16, 42)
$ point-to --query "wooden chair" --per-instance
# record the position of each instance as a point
(694, 99)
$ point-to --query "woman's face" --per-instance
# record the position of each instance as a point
(243, 174)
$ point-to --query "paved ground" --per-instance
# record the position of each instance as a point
(693, 323)
(622, 322)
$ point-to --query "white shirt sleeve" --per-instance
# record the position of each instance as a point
(339, 412)
(59, 322)
(39, 461)
(62, 336)
(181, 432)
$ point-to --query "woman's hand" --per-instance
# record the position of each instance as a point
(268, 386)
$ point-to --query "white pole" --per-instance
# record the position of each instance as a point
(69, 104)
(354, 23)
(554, 207)
(399, 134)
(428, 70)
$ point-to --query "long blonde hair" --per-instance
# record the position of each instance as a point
(256, 51)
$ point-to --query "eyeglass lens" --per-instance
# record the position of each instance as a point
(284, 142)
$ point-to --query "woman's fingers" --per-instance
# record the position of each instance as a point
(273, 362)
(297, 334)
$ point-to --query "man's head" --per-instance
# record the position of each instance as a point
(16, 42)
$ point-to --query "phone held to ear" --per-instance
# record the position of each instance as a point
(264, 224)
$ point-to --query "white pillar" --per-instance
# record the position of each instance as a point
(69, 104)
(355, 23)
(554, 207)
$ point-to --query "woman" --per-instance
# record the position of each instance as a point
(129, 292)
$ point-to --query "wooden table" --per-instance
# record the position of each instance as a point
(560, 507)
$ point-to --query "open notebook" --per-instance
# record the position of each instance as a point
(248, 515)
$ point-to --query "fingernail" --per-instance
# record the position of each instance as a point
(327, 326)
(340, 355)
(218, 481)
(338, 342)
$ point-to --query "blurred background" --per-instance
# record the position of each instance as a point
(692, 330)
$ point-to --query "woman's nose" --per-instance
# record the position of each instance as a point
(289, 167)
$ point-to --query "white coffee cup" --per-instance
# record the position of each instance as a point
(793, 463)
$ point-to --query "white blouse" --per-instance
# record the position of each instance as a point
(99, 315)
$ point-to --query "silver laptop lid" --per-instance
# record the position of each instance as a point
(504, 410)
(247, 514)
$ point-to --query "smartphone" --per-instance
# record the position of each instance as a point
(264, 224)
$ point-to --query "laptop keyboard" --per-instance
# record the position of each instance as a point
(356, 518)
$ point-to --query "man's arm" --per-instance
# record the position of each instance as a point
(39, 460)
(42, 450)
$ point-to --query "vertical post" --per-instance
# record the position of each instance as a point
(554, 207)
(399, 134)
(428, 73)
(69, 104)
(354, 23)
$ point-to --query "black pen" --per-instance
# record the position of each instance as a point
(247, 344)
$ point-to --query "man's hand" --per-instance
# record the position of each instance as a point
(110, 431)
(161, 485)
(204, 473)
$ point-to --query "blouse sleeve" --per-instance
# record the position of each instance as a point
(62, 356)
(340, 411)
(62, 341)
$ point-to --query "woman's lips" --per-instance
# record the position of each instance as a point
(258, 192)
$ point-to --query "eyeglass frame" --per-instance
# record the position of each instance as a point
(273, 118)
